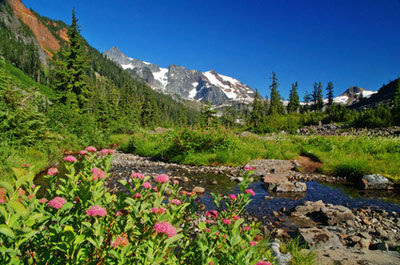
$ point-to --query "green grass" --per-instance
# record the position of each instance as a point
(300, 256)
(346, 156)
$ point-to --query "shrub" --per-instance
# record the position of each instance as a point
(79, 221)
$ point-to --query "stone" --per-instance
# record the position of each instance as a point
(355, 239)
(375, 182)
(320, 238)
(336, 214)
(282, 259)
(199, 189)
(280, 183)
(307, 207)
(365, 243)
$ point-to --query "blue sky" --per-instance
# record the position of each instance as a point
(349, 42)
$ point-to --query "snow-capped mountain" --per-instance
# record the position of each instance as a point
(189, 84)
(353, 95)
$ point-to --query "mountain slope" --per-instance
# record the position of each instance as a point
(353, 95)
(189, 84)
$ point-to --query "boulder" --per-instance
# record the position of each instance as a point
(307, 208)
(375, 182)
(336, 214)
(320, 238)
(280, 183)
(266, 166)
(199, 189)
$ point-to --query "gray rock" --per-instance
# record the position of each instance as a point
(282, 259)
(375, 182)
(307, 208)
(320, 238)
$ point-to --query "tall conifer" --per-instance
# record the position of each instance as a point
(294, 103)
(275, 105)
(329, 89)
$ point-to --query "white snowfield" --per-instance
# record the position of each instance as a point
(161, 76)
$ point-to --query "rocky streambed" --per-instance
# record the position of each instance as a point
(343, 224)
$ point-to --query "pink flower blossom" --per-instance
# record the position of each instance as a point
(212, 213)
(107, 151)
(42, 200)
(137, 195)
(235, 217)
(120, 241)
(224, 236)
(96, 210)
(175, 201)
(118, 213)
(70, 158)
(160, 210)
(209, 221)
(247, 228)
(227, 221)
(155, 189)
(261, 262)
(165, 228)
(137, 175)
(146, 185)
(207, 229)
(26, 165)
(175, 182)
(91, 149)
(253, 243)
(83, 152)
(251, 192)
(232, 197)
(163, 178)
(98, 173)
(33, 186)
(52, 171)
(2, 201)
(57, 202)
(249, 168)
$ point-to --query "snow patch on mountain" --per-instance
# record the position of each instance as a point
(161, 76)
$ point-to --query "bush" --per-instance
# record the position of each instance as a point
(79, 221)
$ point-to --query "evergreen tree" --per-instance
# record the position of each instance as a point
(229, 117)
(329, 89)
(256, 115)
(397, 96)
(275, 105)
(317, 98)
(207, 115)
(307, 98)
(71, 76)
(294, 103)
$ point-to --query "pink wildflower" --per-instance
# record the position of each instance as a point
(232, 197)
(120, 241)
(175, 182)
(70, 159)
(57, 202)
(137, 195)
(160, 210)
(52, 171)
(118, 213)
(211, 263)
(212, 213)
(207, 229)
(249, 168)
(227, 221)
(98, 173)
(2, 201)
(235, 217)
(261, 262)
(154, 210)
(251, 192)
(146, 185)
(163, 178)
(165, 228)
(42, 200)
(107, 151)
(83, 152)
(175, 201)
(91, 149)
(247, 228)
(224, 236)
(26, 165)
(137, 175)
(96, 210)
(253, 243)
(155, 189)
(33, 186)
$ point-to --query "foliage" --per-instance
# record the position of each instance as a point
(84, 223)
(275, 105)
(329, 90)
(294, 103)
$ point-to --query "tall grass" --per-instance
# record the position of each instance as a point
(345, 156)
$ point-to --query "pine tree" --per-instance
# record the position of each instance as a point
(256, 114)
(275, 105)
(307, 98)
(294, 103)
(317, 98)
(329, 88)
(207, 115)
(71, 76)
(397, 96)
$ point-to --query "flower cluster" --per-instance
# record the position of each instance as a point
(137, 175)
(96, 210)
(163, 178)
(165, 228)
(57, 202)
(70, 158)
(98, 174)
(52, 171)
(120, 241)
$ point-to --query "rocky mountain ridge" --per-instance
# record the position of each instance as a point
(189, 84)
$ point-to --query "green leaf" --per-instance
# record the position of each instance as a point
(9, 188)
(173, 239)
(17, 206)
(4, 212)
(202, 225)
(5, 230)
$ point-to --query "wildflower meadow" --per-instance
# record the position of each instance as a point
(78, 219)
